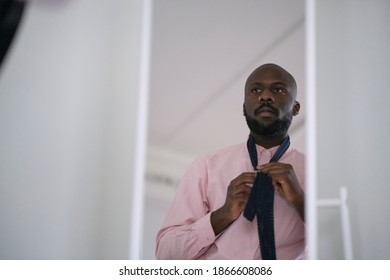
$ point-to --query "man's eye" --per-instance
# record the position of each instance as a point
(256, 90)
(279, 90)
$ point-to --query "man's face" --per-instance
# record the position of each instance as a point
(270, 101)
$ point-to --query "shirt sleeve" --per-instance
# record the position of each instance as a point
(187, 232)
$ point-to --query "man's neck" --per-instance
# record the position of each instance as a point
(268, 142)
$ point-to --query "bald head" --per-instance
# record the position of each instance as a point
(268, 70)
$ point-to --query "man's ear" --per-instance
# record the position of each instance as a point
(243, 110)
(297, 107)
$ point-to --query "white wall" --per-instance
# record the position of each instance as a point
(68, 95)
(353, 123)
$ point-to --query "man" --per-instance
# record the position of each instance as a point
(210, 217)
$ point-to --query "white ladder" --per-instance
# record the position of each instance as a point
(345, 222)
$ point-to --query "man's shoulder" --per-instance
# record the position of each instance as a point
(296, 158)
(233, 151)
(296, 153)
(296, 150)
(234, 155)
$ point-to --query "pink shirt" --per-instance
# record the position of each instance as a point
(187, 232)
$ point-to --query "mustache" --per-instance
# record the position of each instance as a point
(268, 107)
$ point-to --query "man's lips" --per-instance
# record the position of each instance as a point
(266, 110)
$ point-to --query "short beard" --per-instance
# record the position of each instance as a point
(276, 129)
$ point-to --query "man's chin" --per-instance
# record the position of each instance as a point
(270, 128)
(267, 123)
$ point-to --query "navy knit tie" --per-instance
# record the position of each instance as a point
(261, 201)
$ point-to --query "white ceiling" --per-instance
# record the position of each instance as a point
(202, 52)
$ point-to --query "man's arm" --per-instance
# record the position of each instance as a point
(186, 232)
(189, 228)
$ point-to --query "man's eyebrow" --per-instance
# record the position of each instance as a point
(278, 82)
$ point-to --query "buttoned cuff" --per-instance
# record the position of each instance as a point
(204, 231)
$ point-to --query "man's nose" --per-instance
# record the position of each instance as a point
(266, 95)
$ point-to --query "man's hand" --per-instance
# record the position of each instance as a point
(236, 199)
(286, 183)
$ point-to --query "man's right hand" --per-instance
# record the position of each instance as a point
(236, 199)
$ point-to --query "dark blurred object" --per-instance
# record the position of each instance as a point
(10, 15)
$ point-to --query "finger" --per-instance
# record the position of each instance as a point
(274, 167)
(278, 189)
(279, 172)
(242, 197)
(283, 187)
(241, 189)
(241, 200)
(244, 178)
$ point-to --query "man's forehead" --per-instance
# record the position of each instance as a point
(271, 74)
(268, 81)
(262, 80)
